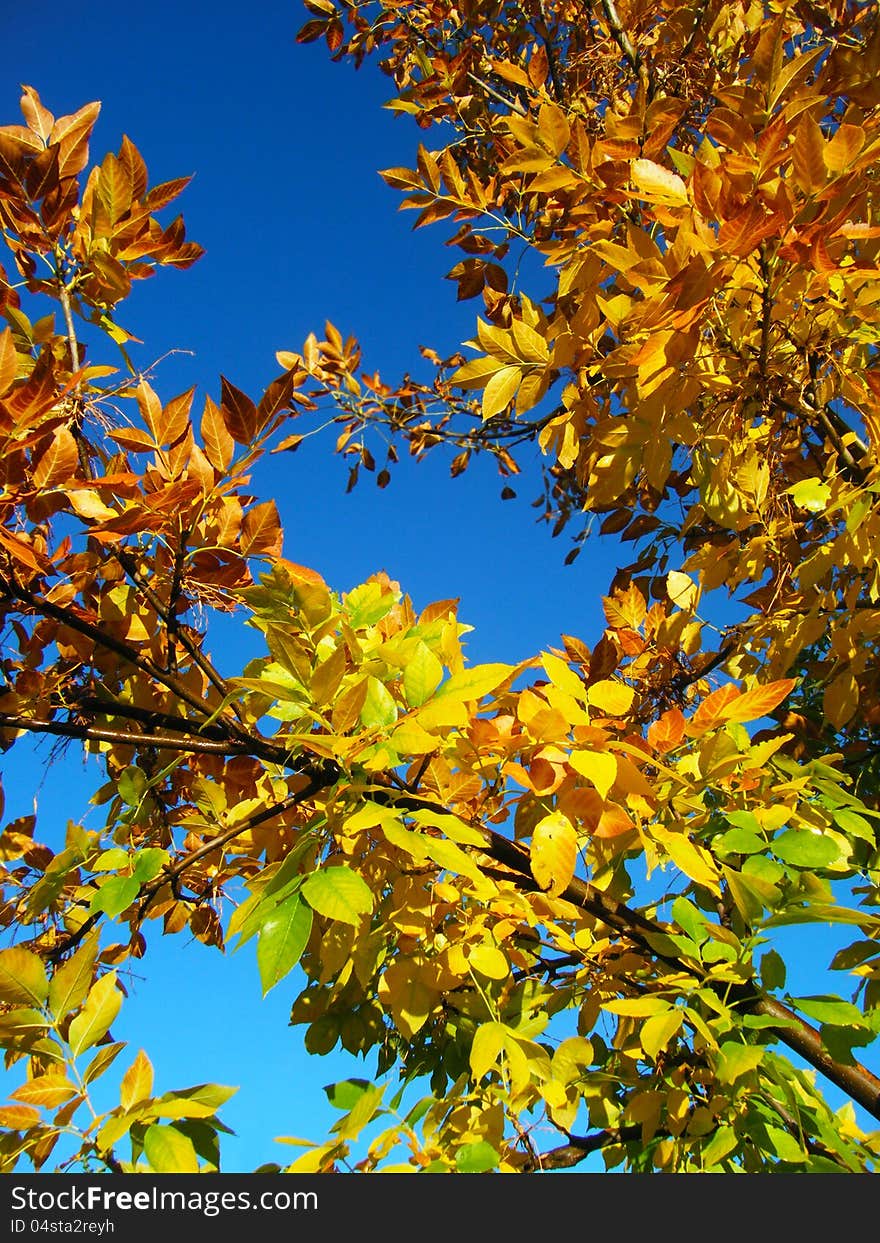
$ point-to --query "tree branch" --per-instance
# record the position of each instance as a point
(102, 639)
(121, 737)
(192, 649)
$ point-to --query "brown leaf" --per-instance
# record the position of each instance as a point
(239, 413)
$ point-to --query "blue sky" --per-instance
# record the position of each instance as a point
(298, 228)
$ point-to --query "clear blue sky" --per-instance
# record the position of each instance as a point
(298, 227)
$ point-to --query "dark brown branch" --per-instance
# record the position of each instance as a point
(148, 716)
(854, 1079)
(121, 737)
(166, 614)
(580, 1147)
(835, 428)
(681, 681)
(766, 311)
(172, 873)
(625, 43)
(102, 639)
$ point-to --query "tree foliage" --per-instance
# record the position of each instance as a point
(541, 900)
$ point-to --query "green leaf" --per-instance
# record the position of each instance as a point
(748, 895)
(736, 1060)
(115, 895)
(212, 1095)
(855, 954)
(282, 939)
(854, 824)
(368, 604)
(811, 494)
(132, 785)
(823, 913)
(772, 970)
(722, 1142)
(23, 979)
(169, 1151)
(339, 893)
(15, 1023)
(473, 683)
(692, 920)
(149, 863)
(804, 849)
(740, 842)
(476, 1158)
(785, 1145)
(346, 1094)
(744, 820)
(379, 708)
(422, 676)
(101, 1008)
(356, 1118)
(111, 860)
(830, 1010)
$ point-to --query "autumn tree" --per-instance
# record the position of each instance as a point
(540, 900)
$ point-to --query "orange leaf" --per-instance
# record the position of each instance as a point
(57, 462)
(239, 413)
(759, 701)
(668, 731)
(613, 822)
(711, 710)
(261, 530)
(219, 445)
(8, 361)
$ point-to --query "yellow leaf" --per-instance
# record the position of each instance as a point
(690, 858)
(554, 853)
(681, 589)
(658, 1030)
(407, 996)
(23, 978)
(489, 961)
(410, 739)
(500, 391)
(811, 494)
(470, 684)
(599, 767)
(563, 676)
(530, 345)
(657, 184)
(614, 698)
(19, 1117)
(637, 1007)
(87, 504)
(101, 1008)
(48, 1091)
(841, 698)
(137, 1082)
(487, 1045)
